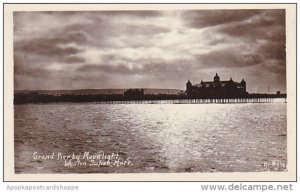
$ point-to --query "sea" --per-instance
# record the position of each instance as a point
(150, 138)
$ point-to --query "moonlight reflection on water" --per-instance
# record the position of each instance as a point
(156, 138)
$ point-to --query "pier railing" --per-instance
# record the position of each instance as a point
(35, 98)
(193, 101)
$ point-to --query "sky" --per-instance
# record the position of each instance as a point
(149, 49)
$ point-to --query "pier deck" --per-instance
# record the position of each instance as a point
(193, 101)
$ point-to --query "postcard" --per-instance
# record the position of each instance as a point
(150, 92)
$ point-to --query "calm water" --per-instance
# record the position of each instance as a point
(155, 138)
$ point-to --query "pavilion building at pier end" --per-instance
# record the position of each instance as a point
(216, 89)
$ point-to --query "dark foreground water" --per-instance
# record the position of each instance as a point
(150, 138)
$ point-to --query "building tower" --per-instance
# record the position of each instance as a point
(188, 87)
(243, 84)
(217, 78)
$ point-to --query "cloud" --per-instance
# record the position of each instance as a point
(158, 49)
(269, 25)
(209, 18)
(229, 58)
(273, 50)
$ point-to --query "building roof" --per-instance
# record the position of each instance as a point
(214, 84)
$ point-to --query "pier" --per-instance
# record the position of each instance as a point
(36, 98)
(193, 101)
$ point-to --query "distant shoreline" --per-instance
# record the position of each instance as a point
(99, 91)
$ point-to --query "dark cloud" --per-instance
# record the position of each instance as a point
(273, 50)
(275, 66)
(269, 25)
(208, 18)
(74, 59)
(229, 58)
(141, 14)
(27, 70)
(158, 49)
(43, 50)
(45, 47)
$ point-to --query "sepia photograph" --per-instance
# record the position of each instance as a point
(126, 91)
